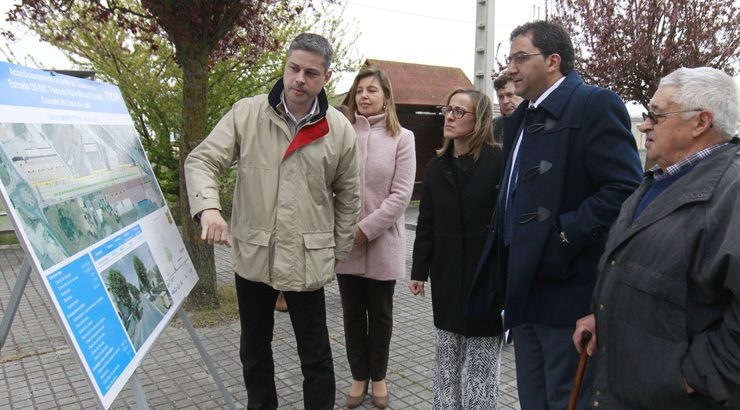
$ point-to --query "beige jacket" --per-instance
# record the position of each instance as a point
(295, 202)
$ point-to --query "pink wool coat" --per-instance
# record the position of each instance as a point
(387, 170)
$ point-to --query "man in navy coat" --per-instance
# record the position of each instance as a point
(571, 161)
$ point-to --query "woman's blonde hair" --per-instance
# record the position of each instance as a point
(391, 118)
(483, 130)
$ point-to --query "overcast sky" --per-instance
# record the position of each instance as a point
(437, 32)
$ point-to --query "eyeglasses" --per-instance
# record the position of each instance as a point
(655, 116)
(519, 58)
(457, 112)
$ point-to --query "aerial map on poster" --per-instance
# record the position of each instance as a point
(90, 215)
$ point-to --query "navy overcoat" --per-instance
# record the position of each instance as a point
(574, 174)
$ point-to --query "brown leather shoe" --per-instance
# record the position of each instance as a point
(355, 401)
(381, 402)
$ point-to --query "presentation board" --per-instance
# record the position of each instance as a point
(88, 211)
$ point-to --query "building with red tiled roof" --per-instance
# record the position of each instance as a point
(419, 90)
(421, 85)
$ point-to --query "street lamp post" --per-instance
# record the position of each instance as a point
(484, 46)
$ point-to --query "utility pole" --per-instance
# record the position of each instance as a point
(484, 46)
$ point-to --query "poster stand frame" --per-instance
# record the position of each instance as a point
(15, 300)
(141, 402)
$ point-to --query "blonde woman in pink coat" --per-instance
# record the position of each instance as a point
(387, 162)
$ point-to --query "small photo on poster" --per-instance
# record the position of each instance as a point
(72, 185)
(138, 292)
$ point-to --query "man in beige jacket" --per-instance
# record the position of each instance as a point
(295, 206)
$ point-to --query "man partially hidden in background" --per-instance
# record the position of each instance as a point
(507, 103)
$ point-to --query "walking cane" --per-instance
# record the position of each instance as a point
(585, 338)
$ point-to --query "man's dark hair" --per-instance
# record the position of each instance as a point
(549, 38)
(501, 81)
(313, 43)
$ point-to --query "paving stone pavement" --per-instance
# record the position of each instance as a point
(38, 369)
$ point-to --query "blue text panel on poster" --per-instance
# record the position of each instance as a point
(28, 87)
(92, 319)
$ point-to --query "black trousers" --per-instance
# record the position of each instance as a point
(368, 324)
(308, 316)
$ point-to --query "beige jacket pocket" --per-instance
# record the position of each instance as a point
(319, 251)
(253, 254)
